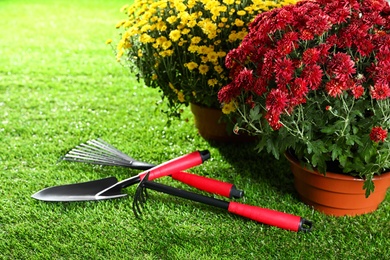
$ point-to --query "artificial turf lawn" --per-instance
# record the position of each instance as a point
(60, 86)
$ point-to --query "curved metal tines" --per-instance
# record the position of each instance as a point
(98, 152)
(140, 197)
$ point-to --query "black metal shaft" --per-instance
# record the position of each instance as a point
(185, 194)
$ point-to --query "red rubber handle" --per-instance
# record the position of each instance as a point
(206, 184)
(176, 165)
(267, 216)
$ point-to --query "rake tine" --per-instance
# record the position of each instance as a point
(80, 153)
(100, 143)
(94, 158)
(101, 153)
(97, 162)
(98, 152)
(101, 150)
(138, 204)
(140, 198)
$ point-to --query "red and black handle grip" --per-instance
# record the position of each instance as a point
(176, 165)
(262, 215)
(271, 217)
(210, 185)
(203, 183)
(172, 166)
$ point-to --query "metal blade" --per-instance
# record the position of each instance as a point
(80, 191)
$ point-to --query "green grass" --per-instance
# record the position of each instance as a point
(59, 86)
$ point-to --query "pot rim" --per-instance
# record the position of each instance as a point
(333, 175)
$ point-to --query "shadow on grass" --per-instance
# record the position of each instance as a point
(261, 167)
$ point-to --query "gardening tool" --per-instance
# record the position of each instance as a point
(110, 188)
(262, 215)
(102, 153)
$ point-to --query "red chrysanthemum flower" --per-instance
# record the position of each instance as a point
(365, 47)
(341, 66)
(273, 119)
(311, 56)
(338, 13)
(299, 87)
(324, 49)
(228, 92)
(318, 24)
(380, 72)
(244, 79)
(284, 71)
(287, 44)
(380, 91)
(378, 134)
(260, 86)
(267, 65)
(298, 93)
(276, 100)
(312, 74)
(334, 88)
(306, 35)
(357, 91)
(283, 18)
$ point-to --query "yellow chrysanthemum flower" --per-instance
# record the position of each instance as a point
(229, 108)
(239, 23)
(191, 65)
(120, 23)
(241, 35)
(180, 96)
(212, 82)
(195, 40)
(218, 69)
(212, 56)
(160, 40)
(233, 36)
(161, 26)
(174, 35)
(145, 38)
(203, 49)
(166, 53)
(166, 45)
(203, 69)
(241, 12)
(193, 48)
(221, 54)
(172, 19)
(228, 2)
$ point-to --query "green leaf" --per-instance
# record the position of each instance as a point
(336, 151)
(254, 114)
(369, 185)
(343, 160)
(272, 148)
(328, 130)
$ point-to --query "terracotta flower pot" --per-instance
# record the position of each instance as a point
(337, 194)
(210, 127)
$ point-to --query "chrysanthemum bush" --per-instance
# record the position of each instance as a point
(179, 46)
(314, 78)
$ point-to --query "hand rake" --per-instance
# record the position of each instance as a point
(262, 215)
(102, 153)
